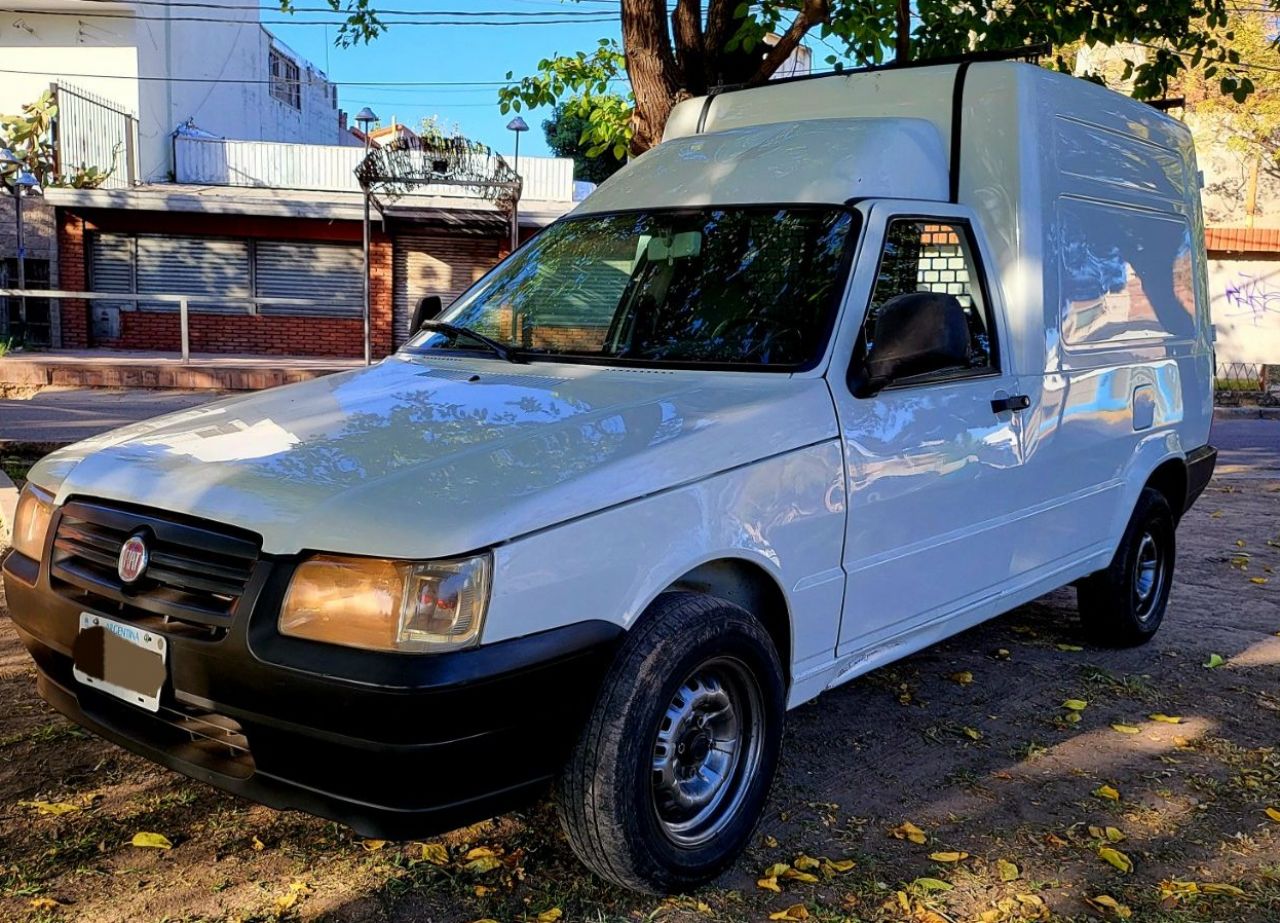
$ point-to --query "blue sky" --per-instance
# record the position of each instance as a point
(473, 53)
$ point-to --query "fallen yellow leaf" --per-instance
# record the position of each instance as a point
(258, 845)
(778, 868)
(1075, 704)
(481, 890)
(1215, 888)
(55, 808)
(1258, 580)
(1165, 719)
(804, 863)
(1107, 792)
(768, 884)
(373, 845)
(797, 875)
(771, 842)
(480, 852)
(909, 831)
(1070, 648)
(1273, 814)
(1126, 729)
(932, 884)
(1108, 904)
(42, 903)
(435, 853)
(1114, 835)
(973, 733)
(151, 841)
(482, 866)
(1116, 858)
(1007, 870)
(963, 678)
(1214, 661)
(550, 916)
(839, 866)
(948, 856)
(794, 912)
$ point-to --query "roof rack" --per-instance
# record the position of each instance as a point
(1029, 53)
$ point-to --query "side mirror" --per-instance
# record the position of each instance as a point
(915, 333)
(428, 308)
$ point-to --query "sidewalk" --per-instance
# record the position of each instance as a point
(102, 368)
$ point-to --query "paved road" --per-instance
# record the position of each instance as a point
(1247, 443)
(67, 416)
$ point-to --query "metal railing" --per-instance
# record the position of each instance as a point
(182, 301)
(93, 132)
(330, 167)
(1243, 382)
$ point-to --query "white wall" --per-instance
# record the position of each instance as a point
(1245, 296)
(66, 45)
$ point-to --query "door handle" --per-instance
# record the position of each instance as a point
(1013, 402)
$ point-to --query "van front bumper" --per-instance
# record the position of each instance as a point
(394, 746)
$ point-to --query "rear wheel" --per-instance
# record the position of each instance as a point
(1124, 605)
(671, 772)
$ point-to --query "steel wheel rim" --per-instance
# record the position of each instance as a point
(707, 751)
(1148, 576)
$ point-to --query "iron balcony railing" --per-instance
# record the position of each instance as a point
(90, 132)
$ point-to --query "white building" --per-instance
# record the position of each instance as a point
(213, 66)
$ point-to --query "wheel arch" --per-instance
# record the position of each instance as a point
(1170, 479)
(747, 584)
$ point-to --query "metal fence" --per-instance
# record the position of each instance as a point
(93, 132)
(1237, 383)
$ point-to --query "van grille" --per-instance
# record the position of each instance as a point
(196, 574)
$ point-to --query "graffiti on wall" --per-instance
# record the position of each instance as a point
(1251, 298)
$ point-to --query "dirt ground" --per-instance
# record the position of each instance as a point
(969, 741)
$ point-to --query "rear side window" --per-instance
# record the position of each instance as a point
(923, 255)
(1125, 275)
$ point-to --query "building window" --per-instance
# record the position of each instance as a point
(286, 83)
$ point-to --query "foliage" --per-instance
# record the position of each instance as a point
(28, 134)
(579, 85)
(362, 24)
(566, 133)
(1253, 122)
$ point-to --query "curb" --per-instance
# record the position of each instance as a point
(8, 506)
(1246, 413)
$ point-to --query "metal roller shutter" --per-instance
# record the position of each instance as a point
(214, 269)
(431, 264)
(304, 269)
(111, 267)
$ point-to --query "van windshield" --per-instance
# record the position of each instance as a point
(753, 287)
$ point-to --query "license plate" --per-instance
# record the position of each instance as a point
(121, 660)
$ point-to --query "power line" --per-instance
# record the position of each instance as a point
(268, 7)
(578, 19)
(476, 84)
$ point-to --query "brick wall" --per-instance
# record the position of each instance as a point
(270, 335)
(72, 278)
(273, 334)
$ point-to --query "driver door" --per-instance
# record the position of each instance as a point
(930, 460)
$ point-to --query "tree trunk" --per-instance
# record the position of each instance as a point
(902, 31)
(651, 66)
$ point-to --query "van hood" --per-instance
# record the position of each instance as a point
(433, 457)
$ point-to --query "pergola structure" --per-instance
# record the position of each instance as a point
(452, 165)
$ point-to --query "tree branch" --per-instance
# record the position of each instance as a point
(811, 13)
(686, 25)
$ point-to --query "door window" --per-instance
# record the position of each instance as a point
(927, 255)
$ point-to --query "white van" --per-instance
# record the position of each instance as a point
(843, 367)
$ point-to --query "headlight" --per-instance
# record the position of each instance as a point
(388, 605)
(31, 521)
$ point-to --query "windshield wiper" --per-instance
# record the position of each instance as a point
(493, 346)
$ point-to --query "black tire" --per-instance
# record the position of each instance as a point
(1124, 605)
(622, 819)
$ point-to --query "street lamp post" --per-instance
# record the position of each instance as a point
(519, 126)
(364, 118)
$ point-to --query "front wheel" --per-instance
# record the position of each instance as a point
(1124, 605)
(671, 772)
